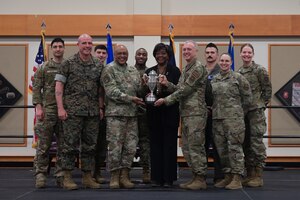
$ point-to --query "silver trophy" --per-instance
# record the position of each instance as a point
(152, 81)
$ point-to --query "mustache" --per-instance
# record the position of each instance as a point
(209, 57)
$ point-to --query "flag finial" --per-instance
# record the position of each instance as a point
(43, 25)
(171, 27)
(231, 26)
(108, 27)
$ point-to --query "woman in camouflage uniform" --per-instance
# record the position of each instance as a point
(231, 98)
(255, 120)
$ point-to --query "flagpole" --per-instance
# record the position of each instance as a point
(171, 28)
(41, 61)
(172, 45)
(43, 34)
(231, 29)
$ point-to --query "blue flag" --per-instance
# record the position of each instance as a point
(172, 60)
(110, 52)
(230, 47)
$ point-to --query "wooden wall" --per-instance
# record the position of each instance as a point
(151, 25)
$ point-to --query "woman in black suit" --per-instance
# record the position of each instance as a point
(163, 122)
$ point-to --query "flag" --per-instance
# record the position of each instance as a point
(172, 60)
(230, 46)
(110, 52)
(39, 60)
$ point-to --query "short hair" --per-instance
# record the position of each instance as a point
(161, 46)
(193, 42)
(100, 46)
(247, 45)
(227, 55)
(58, 39)
(212, 45)
(141, 49)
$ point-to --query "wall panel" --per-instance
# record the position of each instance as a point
(150, 25)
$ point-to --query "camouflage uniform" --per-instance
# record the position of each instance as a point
(121, 83)
(231, 98)
(209, 142)
(144, 132)
(190, 93)
(43, 93)
(254, 148)
(101, 147)
(81, 102)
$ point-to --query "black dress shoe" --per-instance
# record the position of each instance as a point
(168, 184)
(156, 184)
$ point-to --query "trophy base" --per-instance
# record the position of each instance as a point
(150, 99)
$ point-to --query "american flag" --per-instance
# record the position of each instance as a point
(39, 60)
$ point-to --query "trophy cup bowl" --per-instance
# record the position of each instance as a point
(152, 81)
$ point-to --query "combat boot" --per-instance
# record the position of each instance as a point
(40, 180)
(88, 181)
(114, 179)
(183, 185)
(146, 175)
(227, 179)
(257, 180)
(59, 181)
(68, 182)
(124, 179)
(198, 183)
(235, 183)
(250, 175)
(58, 173)
(98, 177)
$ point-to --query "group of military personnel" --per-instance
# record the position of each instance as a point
(99, 110)
(69, 100)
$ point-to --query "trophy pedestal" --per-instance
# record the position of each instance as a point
(150, 99)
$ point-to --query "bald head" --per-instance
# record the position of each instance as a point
(119, 47)
(84, 36)
(121, 54)
(85, 44)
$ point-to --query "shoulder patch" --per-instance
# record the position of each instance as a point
(106, 79)
(246, 87)
(194, 76)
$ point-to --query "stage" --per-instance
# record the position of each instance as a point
(18, 183)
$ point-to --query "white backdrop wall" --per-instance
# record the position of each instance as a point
(164, 7)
